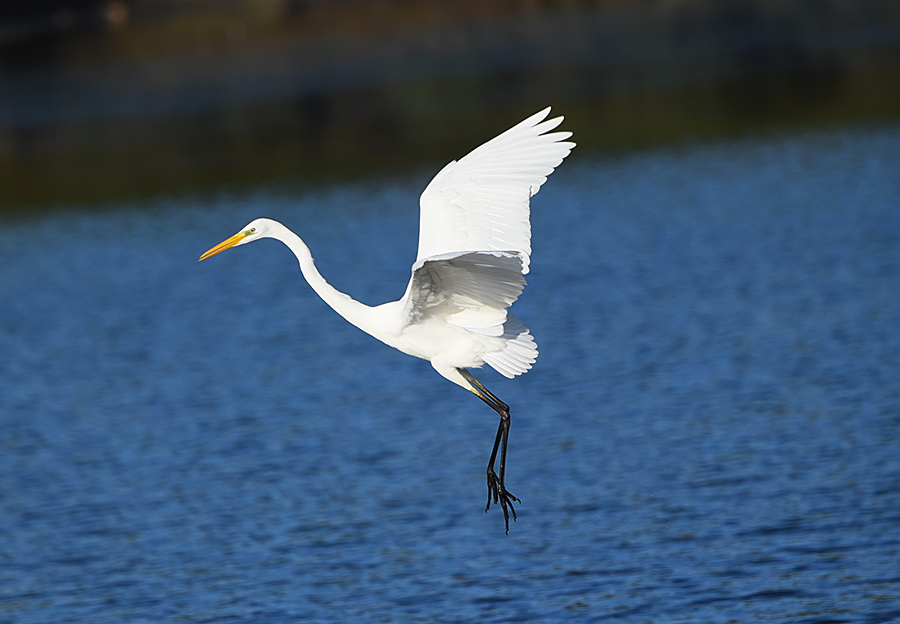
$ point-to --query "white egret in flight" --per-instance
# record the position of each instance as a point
(474, 249)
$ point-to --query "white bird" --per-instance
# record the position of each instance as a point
(474, 250)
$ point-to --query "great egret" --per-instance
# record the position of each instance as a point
(474, 248)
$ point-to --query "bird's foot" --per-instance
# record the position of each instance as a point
(498, 494)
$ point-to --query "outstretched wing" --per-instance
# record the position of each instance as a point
(467, 289)
(481, 202)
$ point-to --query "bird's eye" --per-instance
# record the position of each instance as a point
(253, 230)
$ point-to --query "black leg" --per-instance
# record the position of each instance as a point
(496, 485)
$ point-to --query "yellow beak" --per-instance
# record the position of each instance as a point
(226, 244)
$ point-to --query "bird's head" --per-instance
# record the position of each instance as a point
(254, 230)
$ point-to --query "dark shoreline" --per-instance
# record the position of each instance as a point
(227, 96)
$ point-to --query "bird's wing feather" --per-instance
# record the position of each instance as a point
(481, 202)
(468, 289)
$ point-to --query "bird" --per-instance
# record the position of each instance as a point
(473, 254)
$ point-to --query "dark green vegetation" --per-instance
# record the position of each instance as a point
(165, 97)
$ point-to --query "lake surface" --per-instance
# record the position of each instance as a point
(711, 433)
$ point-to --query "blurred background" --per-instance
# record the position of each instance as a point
(105, 99)
(710, 434)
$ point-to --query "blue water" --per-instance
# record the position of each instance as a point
(711, 433)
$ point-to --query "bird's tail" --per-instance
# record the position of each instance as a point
(519, 349)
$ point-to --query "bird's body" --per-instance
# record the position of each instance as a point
(474, 250)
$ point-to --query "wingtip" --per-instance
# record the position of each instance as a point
(546, 125)
(537, 118)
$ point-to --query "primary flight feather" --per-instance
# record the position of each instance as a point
(474, 251)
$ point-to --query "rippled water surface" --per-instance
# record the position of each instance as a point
(711, 434)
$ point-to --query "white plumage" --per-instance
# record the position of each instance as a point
(474, 251)
(481, 202)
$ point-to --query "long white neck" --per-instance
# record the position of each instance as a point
(353, 311)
